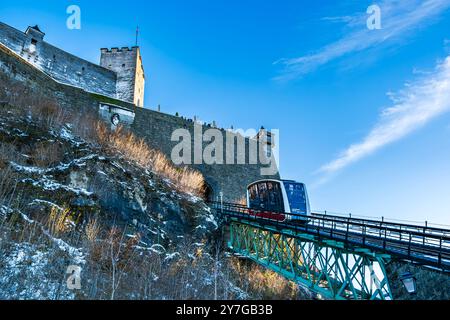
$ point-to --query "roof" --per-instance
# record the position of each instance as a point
(36, 28)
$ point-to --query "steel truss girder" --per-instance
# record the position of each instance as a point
(325, 267)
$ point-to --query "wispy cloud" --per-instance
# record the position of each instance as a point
(447, 45)
(399, 18)
(416, 105)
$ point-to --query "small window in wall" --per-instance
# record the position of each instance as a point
(33, 45)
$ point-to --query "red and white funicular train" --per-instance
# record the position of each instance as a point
(280, 200)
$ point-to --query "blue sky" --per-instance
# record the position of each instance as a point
(363, 114)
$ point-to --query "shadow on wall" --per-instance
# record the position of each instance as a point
(209, 193)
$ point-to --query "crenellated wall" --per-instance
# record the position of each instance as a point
(155, 127)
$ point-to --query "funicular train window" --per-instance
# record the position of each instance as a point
(263, 196)
(275, 201)
(254, 197)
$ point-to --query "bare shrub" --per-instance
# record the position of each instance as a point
(88, 130)
(8, 183)
(8, 178)
(47, 154)
(8, 152)
(48, 113)
(38, 106)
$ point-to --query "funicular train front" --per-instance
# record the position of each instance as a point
(278, 200)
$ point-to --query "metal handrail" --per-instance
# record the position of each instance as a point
(399, 227)
(422, 244)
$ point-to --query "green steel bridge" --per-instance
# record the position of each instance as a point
(334, 256)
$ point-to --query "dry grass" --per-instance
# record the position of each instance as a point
(185, 179)
(59, 221)
(126, 144)
(92, 230)
(263, 283)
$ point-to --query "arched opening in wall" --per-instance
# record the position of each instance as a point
(208, 193)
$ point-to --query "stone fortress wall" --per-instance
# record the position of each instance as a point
(60, 65)
(155, 127)
(120, 74)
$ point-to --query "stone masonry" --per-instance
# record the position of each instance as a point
(229, 180)
(120, 75)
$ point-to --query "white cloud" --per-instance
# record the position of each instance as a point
(399, 18)
(415, 106)
(447, 45)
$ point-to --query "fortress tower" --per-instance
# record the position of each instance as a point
(114, 88)
(127, 64)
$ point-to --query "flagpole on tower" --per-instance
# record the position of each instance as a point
(137, 35)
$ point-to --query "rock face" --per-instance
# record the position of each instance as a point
(53, 186)
(91, 181)
(65, 202)
(78, 221)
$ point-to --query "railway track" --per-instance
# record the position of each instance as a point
(422, 245)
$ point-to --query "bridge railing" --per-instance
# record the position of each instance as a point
(422, 244)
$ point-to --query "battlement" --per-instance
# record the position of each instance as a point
(127, 64)
(120, 74)
(118, 50)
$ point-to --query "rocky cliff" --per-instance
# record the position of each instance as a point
(88, 213)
